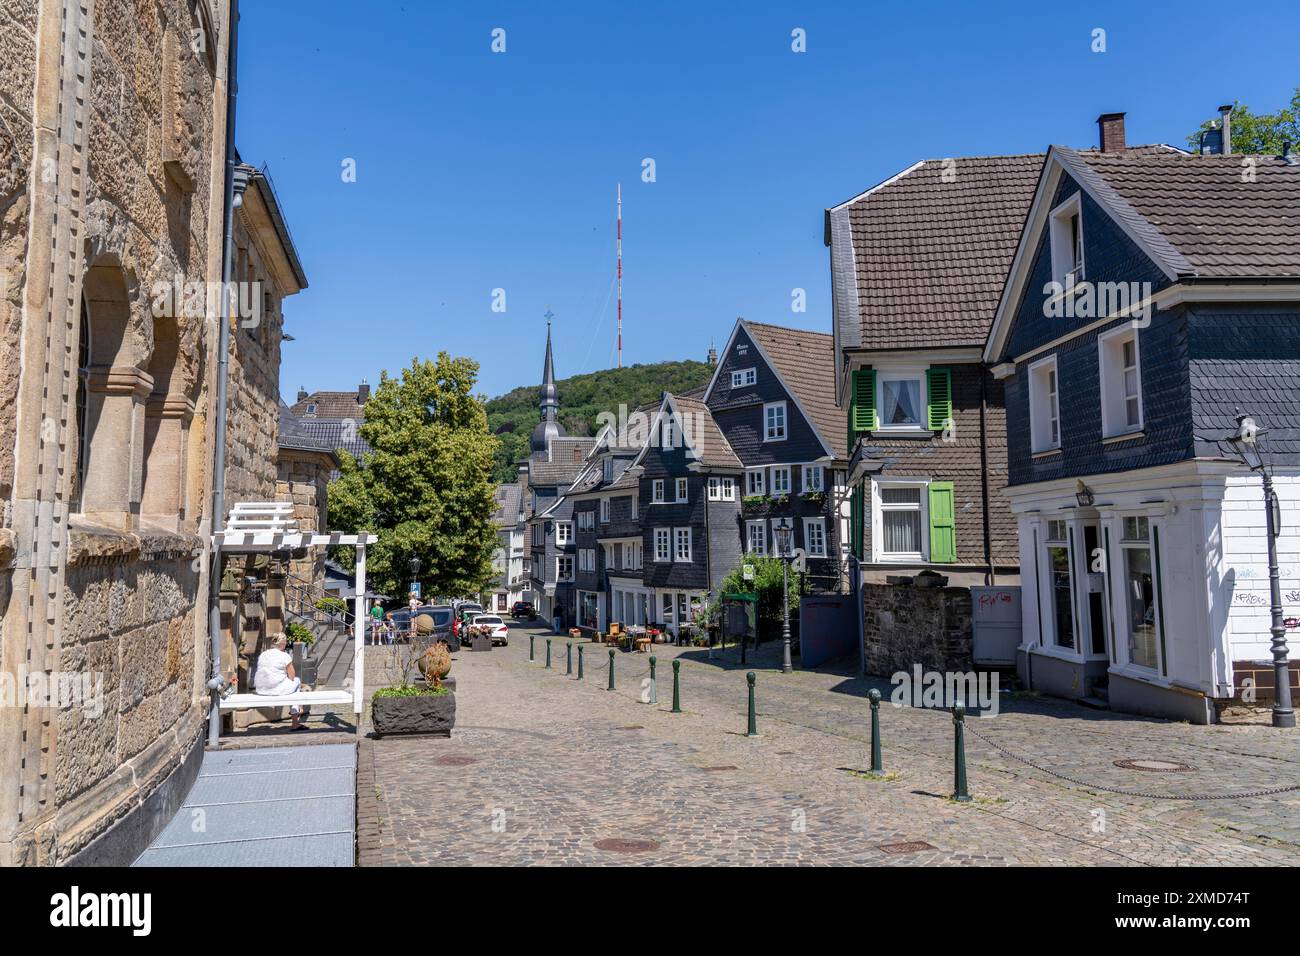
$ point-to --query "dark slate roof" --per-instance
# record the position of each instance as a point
(696, 392)
(711, 447)
(806, 363)
(1197, 213)
(509, 499)
(332, 405)
(296, 438)
(331, 432)
(929, 256)
(567, 458)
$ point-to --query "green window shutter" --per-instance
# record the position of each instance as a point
(862, 403)
(855, 521)
(943, 533)
(939, 381)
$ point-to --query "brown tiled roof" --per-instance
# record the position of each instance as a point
(931, 256)
(567, 459)
(711, 447)
(1218, 221)
(806, 363)
(331, 405)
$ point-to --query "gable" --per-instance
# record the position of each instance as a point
(1110, 256)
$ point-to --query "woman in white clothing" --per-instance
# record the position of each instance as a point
(275, 676)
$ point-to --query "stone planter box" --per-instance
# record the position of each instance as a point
(422, 714)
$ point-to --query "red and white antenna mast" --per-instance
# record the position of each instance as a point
(620, 275)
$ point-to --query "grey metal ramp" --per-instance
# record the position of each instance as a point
(270, 806)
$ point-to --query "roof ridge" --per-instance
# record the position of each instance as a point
(788, 328)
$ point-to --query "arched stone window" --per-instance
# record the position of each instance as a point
(111, 427)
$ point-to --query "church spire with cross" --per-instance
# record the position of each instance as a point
(549, 427)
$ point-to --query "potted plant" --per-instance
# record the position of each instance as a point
(406, 707)
(302, 640)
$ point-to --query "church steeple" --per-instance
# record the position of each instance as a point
(549, 427)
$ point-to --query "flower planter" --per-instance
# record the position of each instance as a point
(432, 714)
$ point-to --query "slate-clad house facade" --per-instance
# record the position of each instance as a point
(772, 398)
(1141, 536)
(917, 265)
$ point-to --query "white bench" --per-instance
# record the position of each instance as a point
(255, 701)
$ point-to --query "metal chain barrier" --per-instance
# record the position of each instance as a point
(1128, 793)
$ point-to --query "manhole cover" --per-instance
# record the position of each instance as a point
(1154, 766)
(453, 760)
(910, 846)
(625, 845)
(716, 769)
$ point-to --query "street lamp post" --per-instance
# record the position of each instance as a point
(1245, 442)
(783, 529)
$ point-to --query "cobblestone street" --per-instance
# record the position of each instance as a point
(542, 769)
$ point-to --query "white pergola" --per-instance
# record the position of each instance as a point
(263, 527)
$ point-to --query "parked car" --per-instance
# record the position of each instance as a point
(495, 627)
(464, 610)
(442, 624)
(523, 610)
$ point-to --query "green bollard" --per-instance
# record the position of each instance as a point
(548, 653)
(959, 753)
(579, 662)
(753, 719)
(611, 669)
(876, 765)
(568, 659)
(654, 690)
(677, 688)
(531, 638)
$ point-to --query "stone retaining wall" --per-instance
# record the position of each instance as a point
(905, 625)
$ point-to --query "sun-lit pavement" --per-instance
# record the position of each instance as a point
(543, 769)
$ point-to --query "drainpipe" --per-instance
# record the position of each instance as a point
(989, 576)
(237, 177)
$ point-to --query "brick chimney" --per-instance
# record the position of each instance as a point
(1111, 127)
(363, 392)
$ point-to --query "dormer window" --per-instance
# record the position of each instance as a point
(1067, 243)
(743, 377)
(607, 472)
(311, 408)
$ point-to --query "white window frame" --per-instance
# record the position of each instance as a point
(664, 537)
(1066, 268)
(783, 470)
(563, 533)
(750, 527)
(819, 484)
(560, 563)
(740, 378)
(1042, 394)
(681, 491)
(722, 488)
(820, 525)
(1121, 612)
(916, 374)
(756, 481)
(769, 433)
(657, 492)
(878, 507)
(1114, 401)
(679, 537)
(604, 511)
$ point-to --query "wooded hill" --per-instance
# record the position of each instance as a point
(511, 416)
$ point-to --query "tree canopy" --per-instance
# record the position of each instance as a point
(1259, 133)
(426, 488)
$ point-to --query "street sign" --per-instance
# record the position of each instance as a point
(414, 588)
(747, 572)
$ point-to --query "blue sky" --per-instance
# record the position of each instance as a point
(478, 170)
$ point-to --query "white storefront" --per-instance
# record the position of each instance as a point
(630, 603)
(1156, 588)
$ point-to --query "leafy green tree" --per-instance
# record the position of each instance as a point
(511, 416)
(1259, 133)
(767, 584)
(426, 488)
